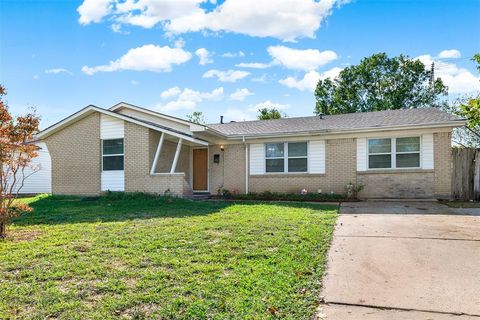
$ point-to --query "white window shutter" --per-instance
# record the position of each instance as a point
(257, 158)
(361, 154)
(316, 156)
(427, 151)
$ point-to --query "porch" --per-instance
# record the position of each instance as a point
(177, 164)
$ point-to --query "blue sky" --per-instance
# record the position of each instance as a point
(179, 56)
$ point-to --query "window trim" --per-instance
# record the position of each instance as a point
(286, 157)
(113, 155)
(393, 153)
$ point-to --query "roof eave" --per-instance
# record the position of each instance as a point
(154, 113)
(452, 124)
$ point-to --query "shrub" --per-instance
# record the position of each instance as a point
(275, 196)
(352, 190)
(119, 195)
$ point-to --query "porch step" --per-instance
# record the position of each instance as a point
(201, 195)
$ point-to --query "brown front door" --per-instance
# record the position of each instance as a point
(200, 169)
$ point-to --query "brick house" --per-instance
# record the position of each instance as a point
(394, 154)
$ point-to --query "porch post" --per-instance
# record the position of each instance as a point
(177, 155)
(157, 153)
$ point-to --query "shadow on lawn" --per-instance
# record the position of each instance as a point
(66, 210)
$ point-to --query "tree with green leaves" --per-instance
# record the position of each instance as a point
(270, 113)
(380, 83)
(196, 117)
(469, 108)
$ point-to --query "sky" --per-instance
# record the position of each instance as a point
(220, 57)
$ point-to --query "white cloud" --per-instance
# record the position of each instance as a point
(309, 80)
(463, 82)
(36, 77)
(204, 55)
(146, 58)
(179, 43)
(226, 76)
(240, 94)
(262, 79)
(135, 82)
(253, 65)
(143, 13)
(458, 80)
(250, 113)
(309, 59)
(188, 99)
(58, 71)
(170, 93)
(236, 114)
(287, 20)
(267, 104)
(94, 10)
(452, 53)
(117, 28)
(238, 54)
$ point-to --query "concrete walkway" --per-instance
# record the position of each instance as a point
(392, 260)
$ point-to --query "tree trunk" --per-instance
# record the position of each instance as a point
(3, 230)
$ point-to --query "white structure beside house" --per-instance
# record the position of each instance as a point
(38, 173)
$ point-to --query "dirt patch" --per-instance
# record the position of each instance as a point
(140, 311)
(24, 235)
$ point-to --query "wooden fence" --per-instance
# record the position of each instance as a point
(466, 174)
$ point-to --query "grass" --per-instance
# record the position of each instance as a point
(463, 204)
(142, 257)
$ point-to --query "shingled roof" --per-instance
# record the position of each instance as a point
(332, 123)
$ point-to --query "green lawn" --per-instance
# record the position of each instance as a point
(141, 257)
(463, 204)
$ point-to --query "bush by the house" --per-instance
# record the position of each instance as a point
(352, 190)
(276, 196)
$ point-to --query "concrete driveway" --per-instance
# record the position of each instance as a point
(392, 260)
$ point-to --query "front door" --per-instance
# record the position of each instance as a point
(200, 169)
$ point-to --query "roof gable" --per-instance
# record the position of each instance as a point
(92, 109)
(155, 116)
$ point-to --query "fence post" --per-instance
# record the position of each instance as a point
(476, 179)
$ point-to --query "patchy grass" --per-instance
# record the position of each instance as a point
(144, 257)
(462, 204)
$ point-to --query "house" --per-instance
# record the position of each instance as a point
(393, 154)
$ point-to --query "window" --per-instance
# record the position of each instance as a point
(408, 152)
(275, 157)
(286, 157)
(380, 153)
(112, 154)
(394, 153)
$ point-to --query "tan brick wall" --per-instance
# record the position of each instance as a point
(140, 146)
(230, 172)
(76, 167)
(397, 184)
(75, 153)
(340, 167)
(443, 164)
(414, 183)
